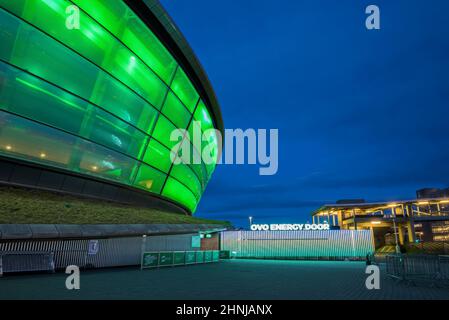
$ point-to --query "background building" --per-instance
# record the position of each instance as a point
(432, 193)
(405, 221)
(89, 111)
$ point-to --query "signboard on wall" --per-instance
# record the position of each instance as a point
(93, 247)
(289, 227)
(199, 256)
(166, 258)
(196, 241)
(150, 259)
(176, 258)
(190, 257)
(179, 258)
(207, 256)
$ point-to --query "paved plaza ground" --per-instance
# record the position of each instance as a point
(229, 279)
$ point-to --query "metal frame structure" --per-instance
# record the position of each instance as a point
(396, 214)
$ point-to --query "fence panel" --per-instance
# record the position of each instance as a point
(329, 244)
(176, 258)
(26, 262)
(419, 268)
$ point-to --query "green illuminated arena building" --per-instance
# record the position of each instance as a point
(89, 110)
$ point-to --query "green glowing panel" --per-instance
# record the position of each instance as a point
(149, 179)
(16, 6)
(29, 49)
(50, 105)
(163, 131)
(208, 143)
(111, 132)
(53, 147)
(158, 156)
(202, 115)
(176, 112)
(178, 192)
(184, 89)
(64, 111)
(184, 173)
(190, 257)
(195, 135)
(199, 256)
(15, 141)
(125, 25)
(189, 155)
(215, 255)
(96, 100)
(95, 43)
(210, 151)
(207, 256)
(166, 258)
(150, 259)
(179, 258)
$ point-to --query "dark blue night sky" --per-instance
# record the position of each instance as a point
(361, 114)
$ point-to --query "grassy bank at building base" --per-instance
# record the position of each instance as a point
(19, 205)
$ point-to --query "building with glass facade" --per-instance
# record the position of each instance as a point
(90, 110)
(403, 221)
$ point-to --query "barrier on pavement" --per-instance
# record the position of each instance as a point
(178, 258)
(11, 262)
(415, 269)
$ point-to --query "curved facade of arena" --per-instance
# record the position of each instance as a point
(97, 104)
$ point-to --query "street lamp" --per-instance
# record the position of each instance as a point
(250, 218)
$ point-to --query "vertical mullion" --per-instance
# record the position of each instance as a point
(150, 135)
(182, 141)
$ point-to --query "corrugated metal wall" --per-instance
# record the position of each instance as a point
(112, 252)
(336, 244)
(181, 242)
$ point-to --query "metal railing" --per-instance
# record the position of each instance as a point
(415, 269)
(11, 262)
(157, 259)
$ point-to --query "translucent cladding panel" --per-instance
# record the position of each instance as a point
(24, 46)
(186, 175)
(53, 147)
(210, 151)
(158, 156)
(149, 179)
(48, 146)
(114, 133)
(125, 25)
(29, 49)
(115, 98)
(178, 192)
(95, 43)
(205, 142)
(190, 156)
(96, 160)
(209, 141)
(202, 115)
(163, 131)
(184, 89)
(176, 111)
(33, 98)
(195, 135)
